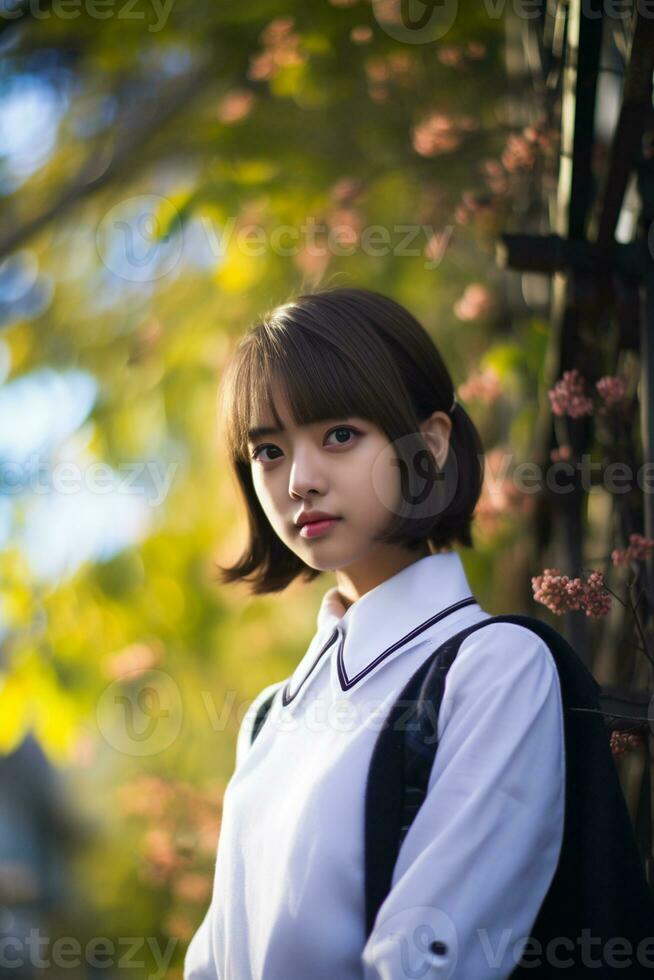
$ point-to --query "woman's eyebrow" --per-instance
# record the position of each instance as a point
(263, 430)
(272, 430)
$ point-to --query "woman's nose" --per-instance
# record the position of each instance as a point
(306, 475)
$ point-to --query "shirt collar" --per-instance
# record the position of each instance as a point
(397, 614)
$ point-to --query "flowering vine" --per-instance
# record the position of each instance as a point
(571, 397)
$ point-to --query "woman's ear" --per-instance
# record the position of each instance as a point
(436, 432)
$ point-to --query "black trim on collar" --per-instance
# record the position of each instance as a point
(347, 683)
(286, 697)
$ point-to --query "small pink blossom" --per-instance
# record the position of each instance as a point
(475, 302)
(501, 498)
(519, 153)
(236, 105)
(568, 396)
(440, 133)
(377, 70)
(639, 549)
(484, 386)
(622, 742)
(495, 175)
(562, 594)
(361, 34)
(346, 223)
(179, 926)
(281, 50)
(611, 390)
(348, 190)
(561, 453)
(461, 215)
(378, 93)
(451, 55)
(192, 886)
(146, 796)
(277, 30)
(312, 262)
(597, 601)
(475, 49)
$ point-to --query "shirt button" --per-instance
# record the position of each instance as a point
(438, 947)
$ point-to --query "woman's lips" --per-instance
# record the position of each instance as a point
(314, 529)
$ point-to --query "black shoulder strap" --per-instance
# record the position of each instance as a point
(392, 798)
(262, 713)
(403, 758)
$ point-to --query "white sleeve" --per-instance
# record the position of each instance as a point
(480, 855)
(199, 960)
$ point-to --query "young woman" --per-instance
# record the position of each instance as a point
(354, 458)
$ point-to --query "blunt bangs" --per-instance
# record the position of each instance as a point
(345, 352)
(321, 377)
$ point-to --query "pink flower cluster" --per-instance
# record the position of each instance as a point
(396, 68)
(519, 153)
(439, 133)
(639, 548)
(456, 56)
(611, 390)
(475, 302)
(622, 742)
(562, 594)
(569, 397)
(281, 49)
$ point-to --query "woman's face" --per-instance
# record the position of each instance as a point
(343, 467)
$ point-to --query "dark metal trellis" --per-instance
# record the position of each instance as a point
(602, 290)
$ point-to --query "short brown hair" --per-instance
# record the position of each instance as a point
(339, 352)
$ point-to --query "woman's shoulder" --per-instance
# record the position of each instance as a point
(503, 658)
(244, 737)
(502, 641)
(504, 677)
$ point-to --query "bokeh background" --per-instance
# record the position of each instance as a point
(169, 171)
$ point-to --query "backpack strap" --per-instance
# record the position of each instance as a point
(263, 711)
(403, 759)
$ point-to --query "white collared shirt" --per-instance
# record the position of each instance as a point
(288, 898)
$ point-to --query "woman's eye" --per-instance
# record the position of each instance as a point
(256, 453)
(338, 432)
